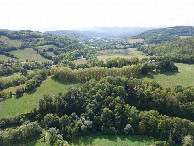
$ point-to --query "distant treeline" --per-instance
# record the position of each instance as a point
(179, 51)
(162, 35)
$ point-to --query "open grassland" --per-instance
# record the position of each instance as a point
(30, 54)
(113, 140)
(14, 75)
(123, 53)
(10, 43)
(184, 77)
(134, 40)
(5, 58)
(46, 47)
(15, 106)
(80, 61)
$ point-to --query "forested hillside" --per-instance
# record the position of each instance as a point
(86, 96)
(181, 50)
(46, 45)
(157, 36)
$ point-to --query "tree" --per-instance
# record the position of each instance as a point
(128, 129)
(51, 120)
(19, 92)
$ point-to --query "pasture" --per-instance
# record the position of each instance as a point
(113, 140)
(29, 54)
(15, 106)
(80, 61)
(9, 42)
(5, 58)
(123, 53)
(183, 77)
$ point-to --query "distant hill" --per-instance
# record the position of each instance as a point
(101, 32)
(78, 34)
(162, 35)
(178, 47)
(181, 50)
(13, 43)
(120, 31)
(68, 33)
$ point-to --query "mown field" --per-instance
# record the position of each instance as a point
(9, 42)
(30, 54)
(184, 77)
(113, 140)
(5, 58)
(123, 53)
(107, 140)
(80, 61)
(15, 106)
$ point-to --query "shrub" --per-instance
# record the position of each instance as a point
(19, 92)
(161, 143)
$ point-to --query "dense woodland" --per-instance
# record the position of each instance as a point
(157, 36)
(113, 105)
(110, 98)
(181, 50)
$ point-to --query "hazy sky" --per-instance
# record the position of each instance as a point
(70, 14)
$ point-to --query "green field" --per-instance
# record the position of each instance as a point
(10, 76)
(123, 53)
(9, 42)
(5, 58)
(15, 106)
(46, 47)
(184, 77)
(30, 54)
(113, 140)
(80, 61)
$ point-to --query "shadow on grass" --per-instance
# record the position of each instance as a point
(113, 139)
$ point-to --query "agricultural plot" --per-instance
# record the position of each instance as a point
(29, 54)
(124, 53)
(80, 61)
(116, 140)
(15, 106)
(5, 58)
(183, 77)
(9, 42)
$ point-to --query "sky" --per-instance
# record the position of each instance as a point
(75, 14)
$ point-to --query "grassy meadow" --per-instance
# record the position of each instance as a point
(113, 140)
(14, 75)
(80, 61)
(15, 106)
(184, 77)
(5, 58)
(9, 42)
(30, 54)
(123, 53)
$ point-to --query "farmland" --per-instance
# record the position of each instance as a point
(137, 90)
(15, 106)
(123, 53)
(29, 54)
(183, 77)
(106, 140)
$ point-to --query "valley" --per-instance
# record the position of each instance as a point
(97, 87)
